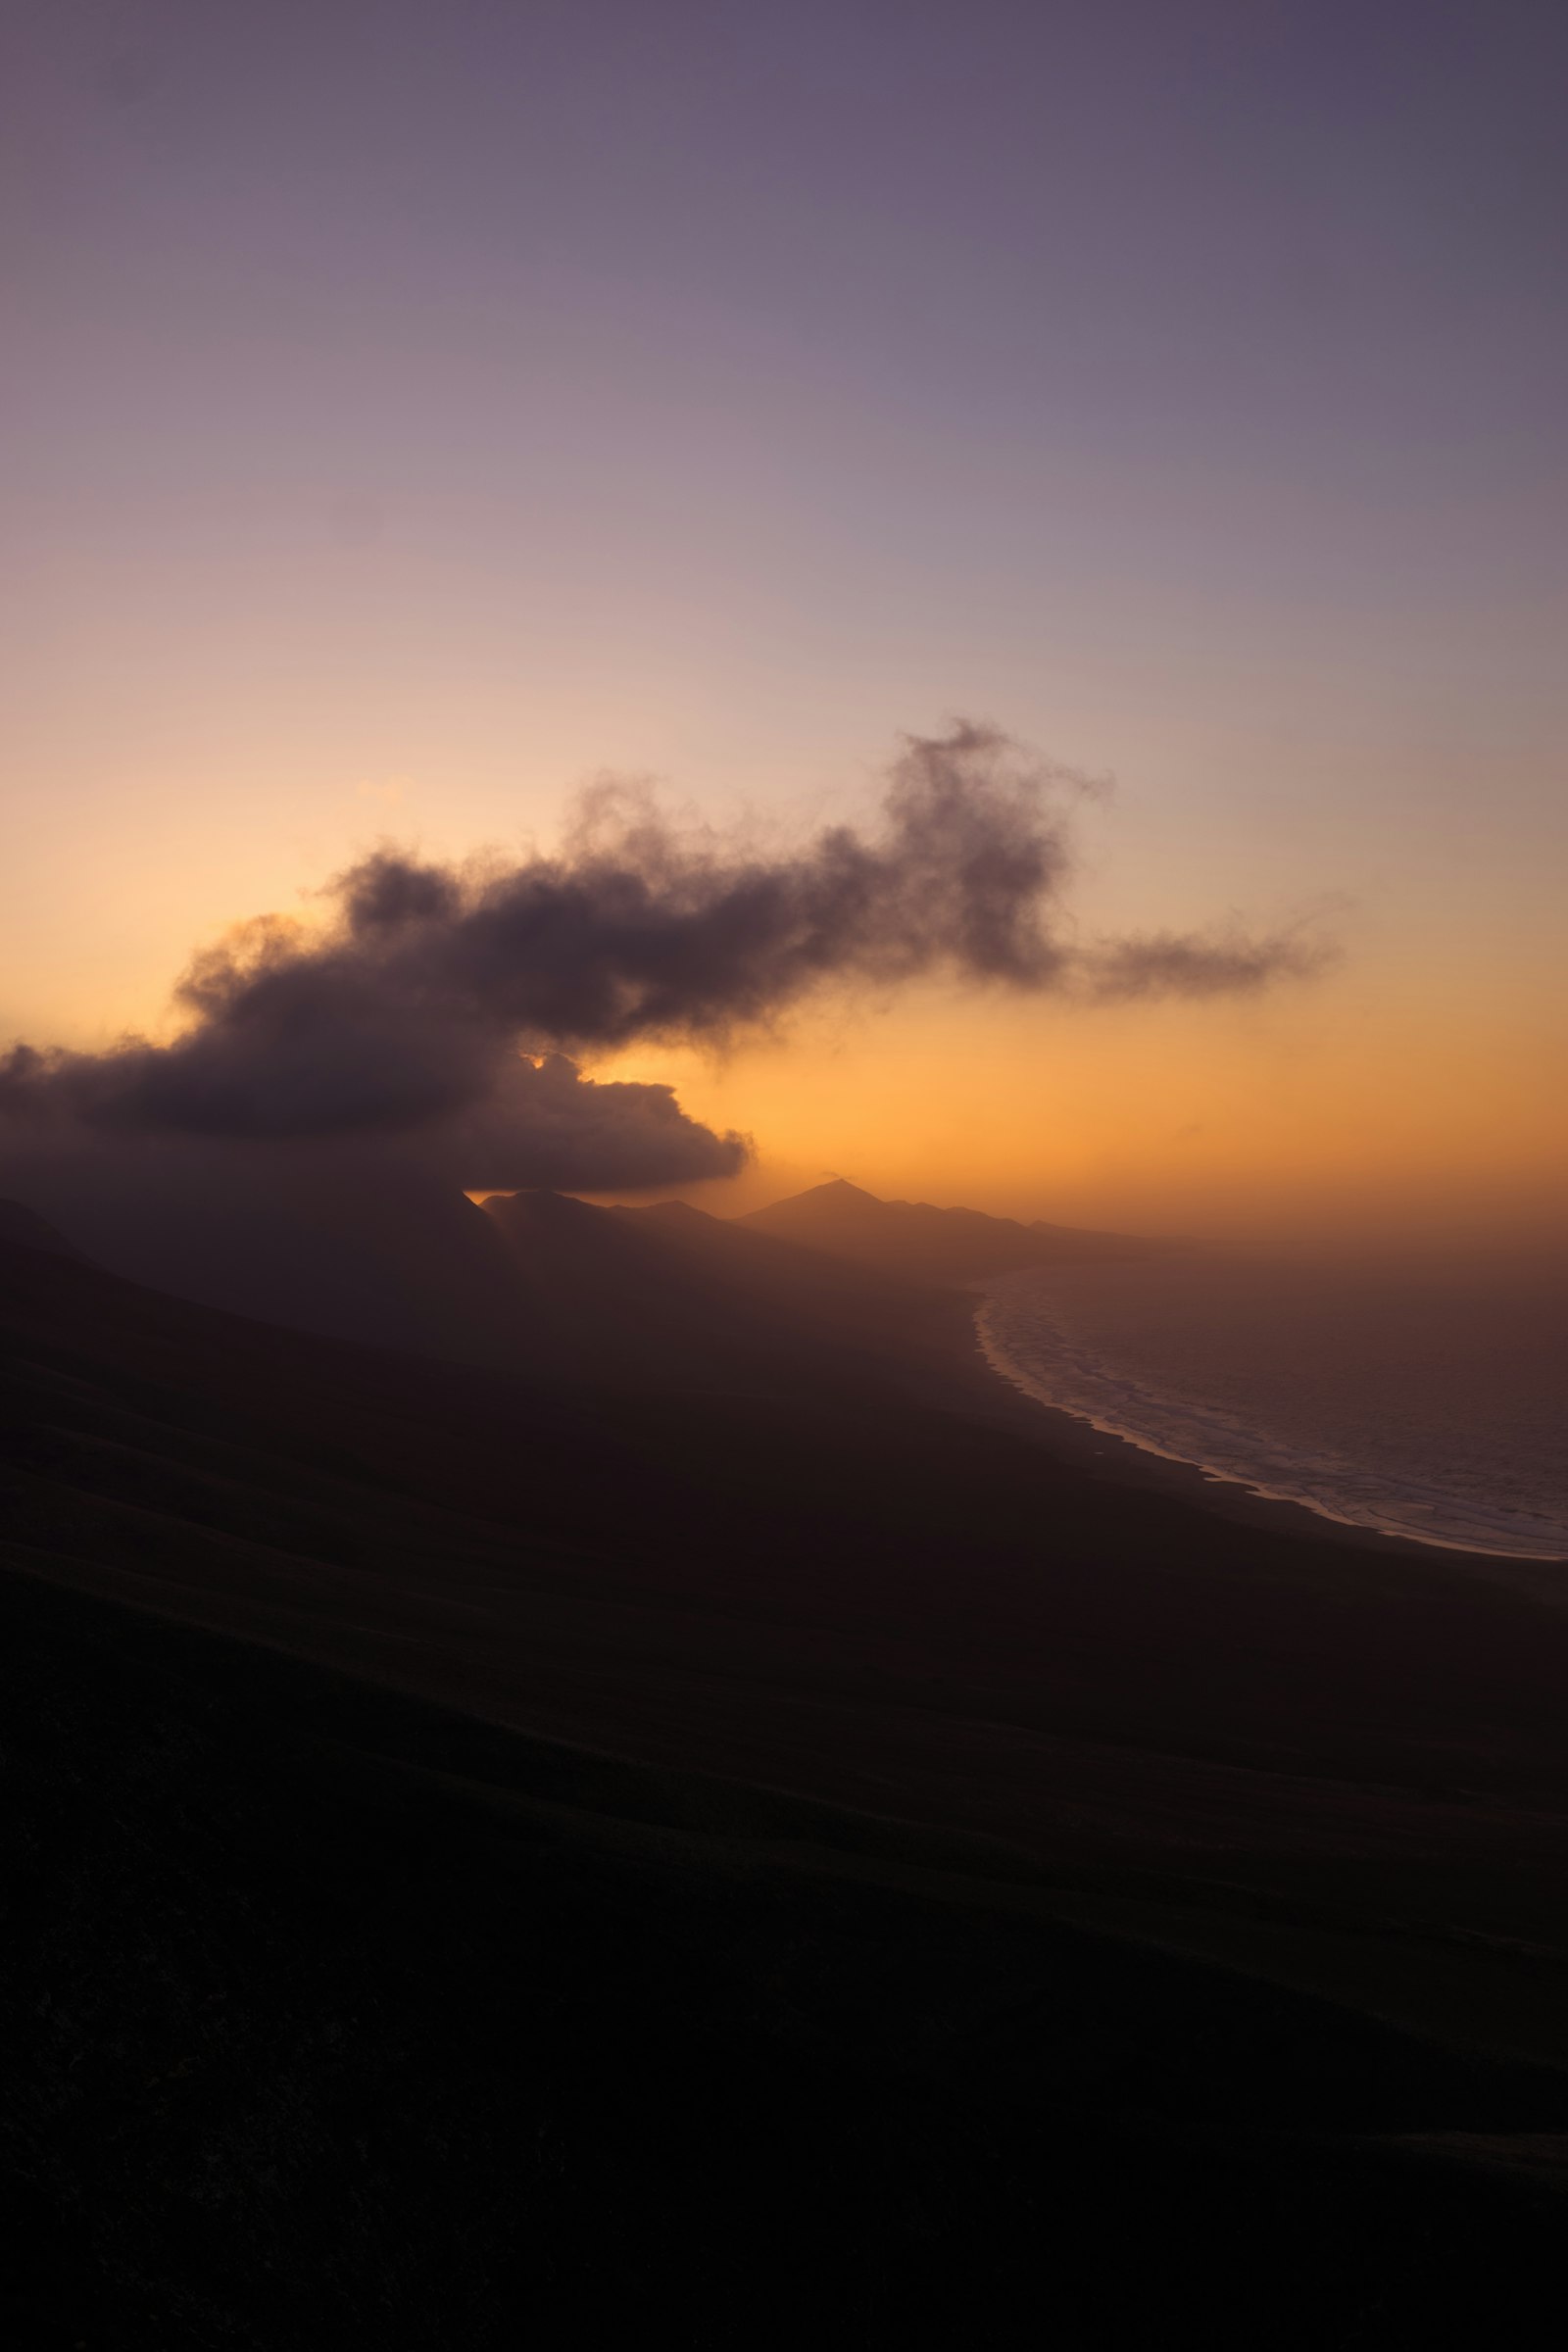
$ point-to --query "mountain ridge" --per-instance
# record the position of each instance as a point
(918, 1241)
(668, 1293)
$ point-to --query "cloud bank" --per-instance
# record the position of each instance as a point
(440, 1008)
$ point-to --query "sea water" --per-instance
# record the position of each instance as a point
(1424, 1396)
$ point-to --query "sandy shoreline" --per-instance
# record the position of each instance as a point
(1101, 1453)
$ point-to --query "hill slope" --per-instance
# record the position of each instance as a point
(812, 1842)
(338, 2019)
(835, 1586)
(25, 1228)
(671, 1297)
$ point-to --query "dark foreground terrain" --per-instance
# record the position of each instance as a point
(763, 1862)
(347, 2022)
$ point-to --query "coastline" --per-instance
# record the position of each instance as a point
(1096, 1452)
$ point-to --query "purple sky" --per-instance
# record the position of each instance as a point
(409, 409)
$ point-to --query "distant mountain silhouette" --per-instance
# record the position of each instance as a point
(537, 1282)
(668, 1295)
(544, 1284)
(912, 1239)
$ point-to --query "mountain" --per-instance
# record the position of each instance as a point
(668, 1296)
(912, 1239)
(538, 1283)
(338, 1242)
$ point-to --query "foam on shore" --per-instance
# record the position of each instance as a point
(1027, 1342)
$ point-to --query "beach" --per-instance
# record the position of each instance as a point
(1448, 1466)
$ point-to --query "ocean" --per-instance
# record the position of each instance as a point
(1423, 1395)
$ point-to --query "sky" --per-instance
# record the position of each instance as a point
(413, 415)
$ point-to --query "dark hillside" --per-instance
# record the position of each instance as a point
(347, 2022)
(651, 1298)
(850, 1593)
(799, 1862)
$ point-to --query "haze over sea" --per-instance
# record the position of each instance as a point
(1421, 1395)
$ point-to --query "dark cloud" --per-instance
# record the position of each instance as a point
(567, 1133)
(1171, 963)
(438, 1005)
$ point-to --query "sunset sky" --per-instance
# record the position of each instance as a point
(402, 431)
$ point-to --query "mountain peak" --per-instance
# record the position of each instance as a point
(911, 1238)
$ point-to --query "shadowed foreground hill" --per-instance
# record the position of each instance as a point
(790, 1866)
(912, 1239)
(347, 2022)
